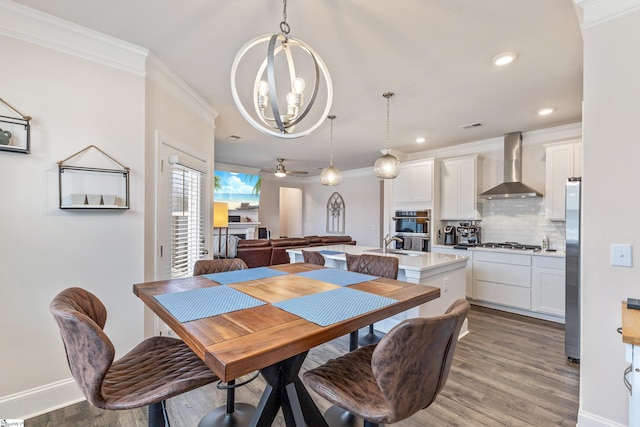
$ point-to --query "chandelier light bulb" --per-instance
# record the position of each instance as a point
(263, 89)
(298, 85)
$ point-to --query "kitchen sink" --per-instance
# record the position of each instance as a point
(396, 252)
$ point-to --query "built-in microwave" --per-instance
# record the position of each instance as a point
(412, 221)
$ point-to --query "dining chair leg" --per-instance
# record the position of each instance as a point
(158, 414)
(232, 414)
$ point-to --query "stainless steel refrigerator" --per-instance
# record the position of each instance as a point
(572, 272)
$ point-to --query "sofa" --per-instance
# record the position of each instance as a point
(265, 252)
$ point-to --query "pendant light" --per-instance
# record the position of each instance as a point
(267, 116)
(331, 175)
(388, 165)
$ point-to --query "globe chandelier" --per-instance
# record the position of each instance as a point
(331, 175)
(388, 165)
(276, 113)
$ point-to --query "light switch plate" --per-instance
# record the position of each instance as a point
(621, 255)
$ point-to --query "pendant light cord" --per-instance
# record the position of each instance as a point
(388, 95)
(331, 141)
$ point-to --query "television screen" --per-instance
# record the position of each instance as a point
(239, 190)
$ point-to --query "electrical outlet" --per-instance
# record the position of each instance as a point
(445, 285)
(621, 255)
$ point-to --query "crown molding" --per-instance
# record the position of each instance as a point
(32, 26)
(598, 11)
(167, 80)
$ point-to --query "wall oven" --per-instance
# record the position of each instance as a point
(413, 228)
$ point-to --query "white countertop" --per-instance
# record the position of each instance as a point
(422, 261)
(557, 254)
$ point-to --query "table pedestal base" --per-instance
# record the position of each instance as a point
(285, 390)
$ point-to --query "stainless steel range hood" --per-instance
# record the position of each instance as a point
(511, 187)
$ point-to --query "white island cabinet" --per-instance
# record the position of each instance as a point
(450, 250)
(446, 272)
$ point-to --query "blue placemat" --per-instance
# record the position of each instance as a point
(236, 276)
(326, 252)
(206, 302)
(336, 305)
(337, 276)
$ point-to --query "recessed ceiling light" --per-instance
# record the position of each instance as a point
(545, 111)
(505, 58)
(421, 139)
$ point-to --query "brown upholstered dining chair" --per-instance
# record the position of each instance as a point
(232, 414)
(156, 369)
(313, 257)
(402, 374)
(209, 266)
(374, 265)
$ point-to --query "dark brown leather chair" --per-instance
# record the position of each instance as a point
(210, 266)
(374, 265)
(156, 369)
(405, 372)
(233, 414)
(313, 257)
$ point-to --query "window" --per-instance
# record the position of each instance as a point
(187, 220)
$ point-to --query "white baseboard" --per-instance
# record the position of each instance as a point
(586, 419)
(37, 401)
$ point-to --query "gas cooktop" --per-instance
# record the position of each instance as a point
(510, 245)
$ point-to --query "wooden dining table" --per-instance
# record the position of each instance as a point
(270, 339)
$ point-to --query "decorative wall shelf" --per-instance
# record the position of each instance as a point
(93, 187)
(15, 132)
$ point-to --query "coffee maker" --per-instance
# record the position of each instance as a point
(449, 235)
(468, 234)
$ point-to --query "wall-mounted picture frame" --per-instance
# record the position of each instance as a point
(14, 134)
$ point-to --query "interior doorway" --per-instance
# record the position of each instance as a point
(290, 212)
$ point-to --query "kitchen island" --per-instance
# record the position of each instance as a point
(446, 272)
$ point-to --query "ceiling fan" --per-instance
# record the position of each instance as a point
(281, 171)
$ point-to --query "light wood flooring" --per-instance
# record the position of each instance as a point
(509, 371)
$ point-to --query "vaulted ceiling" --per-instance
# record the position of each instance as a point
(436, 55)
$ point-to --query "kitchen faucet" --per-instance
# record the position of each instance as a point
(387, 241)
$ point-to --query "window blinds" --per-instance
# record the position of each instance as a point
(187, 219)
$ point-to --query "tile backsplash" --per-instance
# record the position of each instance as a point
(518, 220)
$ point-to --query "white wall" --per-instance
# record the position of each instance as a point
(611, 150)
(361, 193)
(74, 103)
(81, 88)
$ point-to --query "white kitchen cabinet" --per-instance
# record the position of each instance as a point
(459, 189)
(548, 291)
(563, 160)
(469, 269)
(414, 182)
(503, 279)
